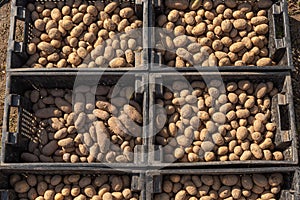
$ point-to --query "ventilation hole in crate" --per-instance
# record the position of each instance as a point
(13, 122)
(284, 116)
(279, 28)
(19, 34)
(30, 35)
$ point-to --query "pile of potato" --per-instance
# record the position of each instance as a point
(229, 187)
(198, 122)
(100, 124)
(77, 34)
(214, 33)
(102, 187)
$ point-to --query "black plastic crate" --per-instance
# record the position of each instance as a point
(17, 55)
(279, 42)
(289, 189)
(15, 141)
(282, 114)
(7, 192)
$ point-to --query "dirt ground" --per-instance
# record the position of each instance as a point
(4, 31)
(294, 13)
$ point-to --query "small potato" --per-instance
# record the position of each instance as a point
(226, 25)
(256, 151)
(209, 156)
(261, 29)
(229, 180)
(264, 62)
(247, 182)
(224, 192)
(199, 29)
(49, 194)
(218, 139)
(31, 48)
(194, 4)
(246, 155)
(126, 12)
(219, 117)
(259, 20)
(177, 4)
(275, 179)
(260, 180)
(261, 90)
(236, 47)
(39, 24)
(242, 113)
(277, 155)
(242, 133)
(230, 3)
(21, 186)
(117, 62)
(240, 24)
(111, 7)
(264, 4)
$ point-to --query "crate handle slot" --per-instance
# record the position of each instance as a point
(26, 122)
(157, 184)
(13, 101)
(136, 183)
(287, 195)
(281, 116)
(278, 31)
(18, 13)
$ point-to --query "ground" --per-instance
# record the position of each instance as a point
(294, 13)
(4, 31)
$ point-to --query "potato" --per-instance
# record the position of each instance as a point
(21, 186)
(46, 47)
(242, 133)
(236, 47)
(39, 24)
(117, 62)
(177, 4)
(49, 194)
(31, 48)
(229, 180)
(230, 3)
(224, 192)
(240, 24)
(256, 151)
(261, 29)
(209, 156)
(74, 59)
(261, 90)
(198, 29)
(181, 195)
(277, 155)
(264, 62)
(67, 142)
(260, 180)
(218, 139)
